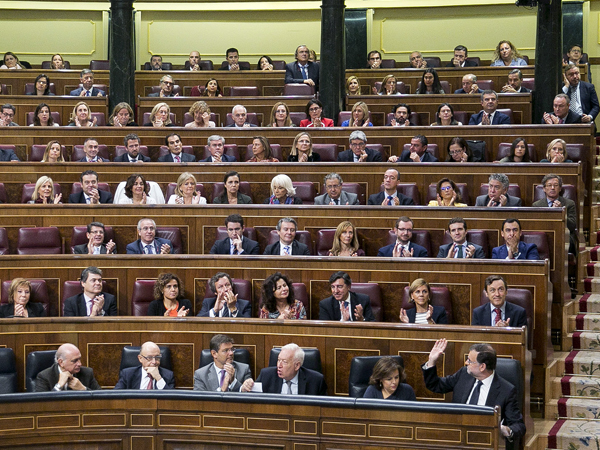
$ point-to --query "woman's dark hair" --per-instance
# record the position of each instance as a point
(223, 197)
(311, 102)
(259, 59)
(36, 119)
(265, 143)
(205, 92)
(11, 54)
(269, 302)
(47, 90)
(438, 189)
(164, 279)
(131, 181)
(513, 146)
(459, 141)
(439, 121)
(385, 367)
(437, 86)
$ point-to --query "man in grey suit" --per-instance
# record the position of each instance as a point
(459, 247)
(497, 193)
(223, 374)
(335, 195)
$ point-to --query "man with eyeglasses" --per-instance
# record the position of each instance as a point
(403, 248)
(223, 374)
(92, 302)
(166, 88)
(358, 151)
(374, 60)
(334, 195)
(289, 377)
(95, 244)
(7, 116)
(66, 373)
(477, 383)
(148, 243)
(149, 375)
(235, 243)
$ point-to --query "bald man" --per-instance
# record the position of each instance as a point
(149, 375)
(66, 373)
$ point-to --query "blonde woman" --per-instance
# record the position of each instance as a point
(556, 152)
(43, 192)
(280, 116)
(185, 192)
(345, 241)
(360, 116)
(160, 116)
(82, 116)
(353, 86)
(302, 150)
(201, 114)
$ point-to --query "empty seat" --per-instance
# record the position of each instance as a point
(328, 152)
(8, 371)
(485, 85)
(411, 190)
(433, 61)
(244, 91)
(79, 154)
(306, 191)
(173, 234)
(301, 295)
(361, 369)
(373, 291)
(176, 90)
(463, 189)
(228, 149)
(297, 117)
(324, 241)
(39, 294)
(540, 239)
(250, 118)
(218, 189)
(4, 249)
(439, 296)
(129, 357)
(508, 112)
(29, 189)
(475, 59)
(39, 241)
(4, 89)
(276, 152)
(478, 237)
(279, 64)
(36, 362)
(79, 236)
(388, 64)
(143, 294)
(529, 83)
(99, 64)
(312, 358)
(298, 89)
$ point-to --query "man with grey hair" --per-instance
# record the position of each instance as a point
(289, 377)
(513, 86)
(92, 302)
(66, 373)
(334, 194)
(166, 88)
(216, 147)
(239, 114)
(469, 85)
(287, 245)
(488, 115)
(562, 112)
(497, 193)
(148, 243)
(416, 60)
(86, 77)
(7, 114)
(358, 151)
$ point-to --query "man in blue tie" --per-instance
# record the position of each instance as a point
(303, 70)
(148, 243)
(390, 196)
(287, 245)
(345, 305)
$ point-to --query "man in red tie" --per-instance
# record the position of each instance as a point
(498, 312)
(489, 115)
(149, 375)
(176, 153)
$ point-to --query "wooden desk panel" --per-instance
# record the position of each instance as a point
(64, 80)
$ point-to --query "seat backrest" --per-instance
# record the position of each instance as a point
(297, 117)
(439, 296)
(400, 87)
(99, 64)
(433, 61)
(324, 241)
(244, 91)
(121, 150)
(388, 64)
(8, 371)
(485, 85)
(228, 149)
(48, 64)
(301, 294)
(568, 191)
(419, 237)
(463, 189)
(411, 190)
(529, 83)
(510, 370)
(241, 355)
(475, 59)
(39, 241)
(361, 369)
(513, 190)
(478, 237)
(504, 150)
(4, 249)
(165, 65)
(298, 89)
(172, 186)
(250, 118)
(3, 198)
(249, 232)
(305, 190)
(431, 148)
(55, 116)
(219, 188)
(276, 152)
(76, 187)
(538, 238)
(279, 64)
(354, 188)
(71, 288)
(78, 152)
(301, 236)
(29, 188)
(242, 64)
(462, 117)
(129, 357)
(36, 362)
(508, 112)
(347, 115)
(30, 88)
(241, 287)
(39, 294)
(373, 291)
(174, 235)
(143, 294)
(37, 152)
(312, 358)
(328, 152)
(176, 89)
(3, 89)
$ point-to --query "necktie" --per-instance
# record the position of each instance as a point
(88, 93)
(289, 385)
(150, 382)
(149, 249)
(475, 394)
(574, 105)
(234, 250)
(286, 250)
(390, 200)
(88, 200)
(177, 159)
(222, 378)
(225, 312)
(498, 318)
(304, 74)
(460, 252)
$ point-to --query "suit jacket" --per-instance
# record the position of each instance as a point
(34, 309)
(427, 157)
(329, 308)
(185, 157)
(310, 382)
(499, 119)
(293, 73)
(224, 158)
(418, 251)
(348, 156)
(526, 251)
(439, 315)
(223, 247)
(105, 197)
(125, 158)
(462, 91)
(232, 125)
(157, 307)
(523, 90)
(588, 99)
(47, 379)
(482, 315)
(298, 248)
(244, 307)
(100, 159)
(444, 249)
(501, 393)
(131, 378)
(157, 94)
(205, 378)
(483, 200)
(95, 92)
(82, 249)
(324, 120)
(571, 210)
(242, 199)
(345, 197)
(136, 247)
(468, 63)
(8, 155)
(571, 118)
(226, 67)
(75, 306)
(377, 199)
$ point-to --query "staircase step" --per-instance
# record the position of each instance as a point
(584, 322)
(576, 386)
(589, 303)
(574, 434)
(578, 408)
(584, 340)
(583, 363)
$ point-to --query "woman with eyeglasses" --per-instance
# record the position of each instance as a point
(447, 194)
(458, 151)
(314, 110)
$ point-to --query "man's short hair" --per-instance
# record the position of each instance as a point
(298, 352)
(219, 339)
(489, 280)
(518, 72)
(421, 138)
(131, 137)
(212, 283)
(395, 170)
(85, 72)
(8, 106)
(570, 67)
(95, 224)
(234, 218)
(485, 355)
(343, 275)
(565, 96)
(551, 176)
(395, 107)
(404, 219)
(461, 48)
(489, 92)
(333, 176)
(500, 177)
(139, 224)
(90, 139)
(472, 77)
(458, 220)
(357, 134)
(511, 220)
(215, 137)
(171, 135)
(286, 219)
(372, 52)
(89, 270)
(164, 77)
(231, 50)
(87, 172)
(238, 106)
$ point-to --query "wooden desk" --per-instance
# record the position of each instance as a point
(64, 80)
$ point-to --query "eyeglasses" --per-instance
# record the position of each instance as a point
(152, 358)
(455, 152)
(167, 83)
(357, 144)
(552, 186)
(445, 188)
(332, 187)
(469, 362)
(314, 109)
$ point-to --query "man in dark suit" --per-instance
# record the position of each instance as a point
(176, 154)
(583, 94)
(287, 244)
(513, 247)
(86, 77)
(497, 193)
(92, 302)
(489, 115)
(223, 374)
(8, 155)
(91, 148)
(358, 151)
(403, 248)
(149, 375)
(401, 112)
(66, 373)
(469, 85)
(345, 305)
(460, 247)
(156, 62)
(471, 383)
(90, 193)
(239, 114)
(334, 194)
(417, 152)
(498, 312)
(226, 303)
(216, 146)
(460, 58)
(515, 78)
(166, 88)
(390, 195)
(233, 56)
(95, 245)
(303, 70)
(148, 243)
(236, 243)
(133, 155)
(289, 377)
(7, 114)
(562, 112)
